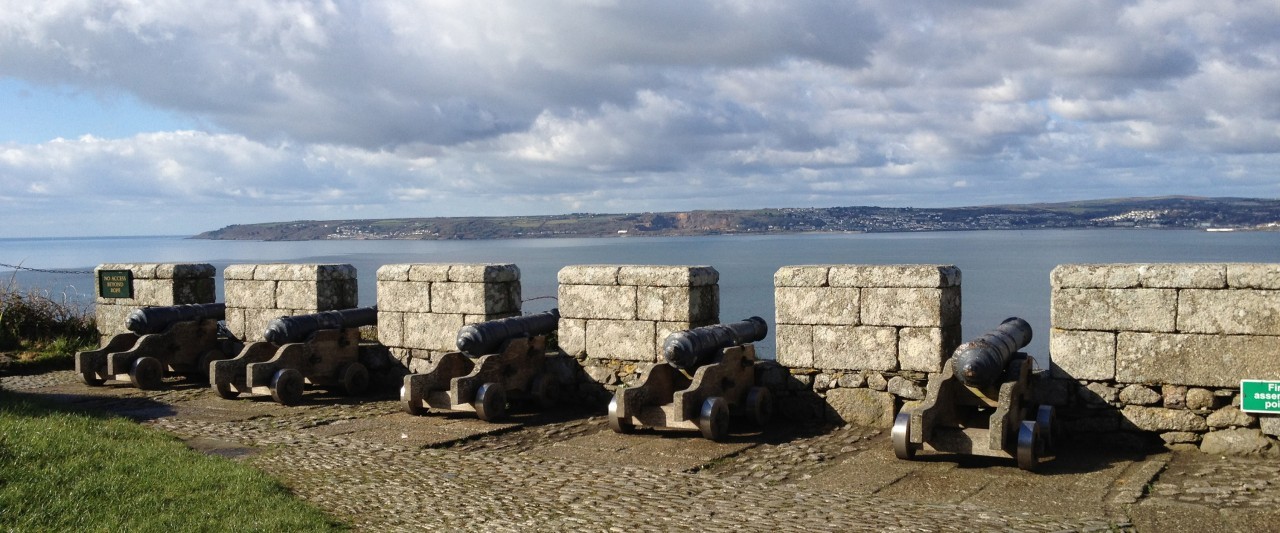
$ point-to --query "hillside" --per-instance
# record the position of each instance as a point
(1162, 212)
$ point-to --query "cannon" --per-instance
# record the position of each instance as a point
(497, 360)
(297, 328)
(722, 385)
(476, 340)
(146, 320)
(181, 339)
(320, 349)
(981, 362)
(692, 348)
(981, 403)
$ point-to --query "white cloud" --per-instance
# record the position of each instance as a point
(400, 107)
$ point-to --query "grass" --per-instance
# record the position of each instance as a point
(41, 329)
(67, 471)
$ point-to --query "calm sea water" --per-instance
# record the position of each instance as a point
(1005, 273)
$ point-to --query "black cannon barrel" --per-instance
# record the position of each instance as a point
(981, 362)
(297, 328)
(695, 347)
(487, 337)
(148, 320)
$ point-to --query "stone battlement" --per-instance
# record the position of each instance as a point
(154, 284)
(1162, 348)
(1138, 350)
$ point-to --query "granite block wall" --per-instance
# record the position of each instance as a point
(856, 341)
(154, 284)
(257, 294)
(422, 306)
(1161, 349)
(614, 318)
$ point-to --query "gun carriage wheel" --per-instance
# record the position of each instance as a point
(1047, 419)
(759, 408)
(713, 419)
(354, 378)
(147, 373)
(286, 386)
(1029, 445)
(616, 422)
(542, 389)
(225, 391)
(412, 399)
(206, 360)
(901, 437)
(491, 402)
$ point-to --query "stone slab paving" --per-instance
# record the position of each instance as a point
(379, 469)
(1210, 493)
(665, 450)
(407, 430)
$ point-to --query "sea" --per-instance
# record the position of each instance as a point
(1005, 273)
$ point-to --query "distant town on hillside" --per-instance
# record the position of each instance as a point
(1178, 212)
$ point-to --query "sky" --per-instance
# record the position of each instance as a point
(143, 117)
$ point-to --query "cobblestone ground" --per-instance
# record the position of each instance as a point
(378, 469)
(1221, 482)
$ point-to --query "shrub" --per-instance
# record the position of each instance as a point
(39, 324)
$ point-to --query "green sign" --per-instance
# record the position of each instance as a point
(115, 283)
(1258, 396)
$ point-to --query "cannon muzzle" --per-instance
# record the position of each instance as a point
(287, 329)
(695, 347)
(484, 338)
(150, 320)
(981, 362)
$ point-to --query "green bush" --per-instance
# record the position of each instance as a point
(39, 326)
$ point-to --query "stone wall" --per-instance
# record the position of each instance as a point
(257, 294)
(1161, 349)
(614, 318)
(858, 340)
(154, 284)
(422, 306)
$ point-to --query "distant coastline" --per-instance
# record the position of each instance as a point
(1169, 212)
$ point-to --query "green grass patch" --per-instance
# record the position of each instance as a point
(69, 471)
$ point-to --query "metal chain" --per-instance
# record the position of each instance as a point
(45, 270)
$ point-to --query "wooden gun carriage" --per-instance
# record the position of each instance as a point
(981, 404)
(497, 360)
(321, 350)
(722, 384)
(182, 339)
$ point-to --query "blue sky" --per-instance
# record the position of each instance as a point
(124, 117)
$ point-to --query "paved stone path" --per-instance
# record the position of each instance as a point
(379, 469)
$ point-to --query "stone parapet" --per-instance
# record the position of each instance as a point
(154, 284)
(845, 332)
(1162, 348)
(867, 317)
(625, 312)
(421, 307)
(257, 294)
